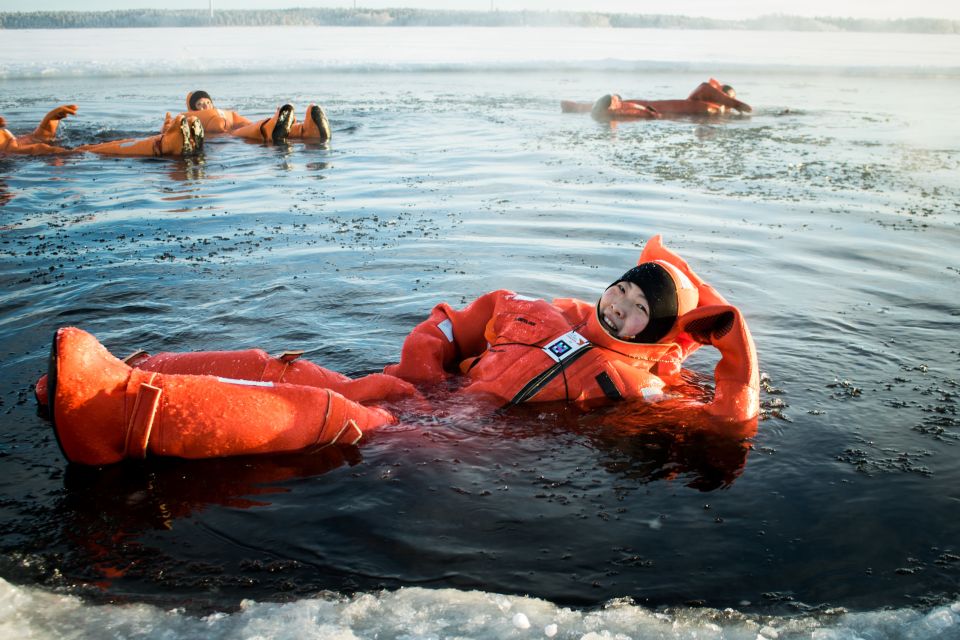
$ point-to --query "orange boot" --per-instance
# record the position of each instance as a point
(276, 129)
(104, 411)
(183, 137)
(315, 126)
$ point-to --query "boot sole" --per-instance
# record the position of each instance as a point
(52, 389)
(284, 123)
(197, 134)
(187, 141)
(320, 120)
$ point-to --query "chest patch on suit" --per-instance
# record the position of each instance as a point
(565, 346)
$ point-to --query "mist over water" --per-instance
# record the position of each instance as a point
(830, 217)
(280, 50)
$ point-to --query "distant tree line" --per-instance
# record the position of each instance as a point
(440, 18)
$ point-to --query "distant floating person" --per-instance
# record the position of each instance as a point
(277, 129)
(709, 99)
(183, 136)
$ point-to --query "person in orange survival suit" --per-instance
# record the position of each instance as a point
(710, 98)
(36, 142)
(509, 348)
(630, 344)
(280, 127)
(183, 137)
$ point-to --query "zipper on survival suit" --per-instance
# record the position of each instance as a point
(564, 350)
(543, 379)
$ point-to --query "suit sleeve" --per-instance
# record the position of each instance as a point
(736, 376)
(24, 146)
(438, 344)
(712, 91)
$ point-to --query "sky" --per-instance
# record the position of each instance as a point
(733, 9)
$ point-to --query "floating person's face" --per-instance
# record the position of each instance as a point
(203, 103)
(624, 310)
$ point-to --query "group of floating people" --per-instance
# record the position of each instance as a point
(180, 135)
(501, 350)
(183, 134)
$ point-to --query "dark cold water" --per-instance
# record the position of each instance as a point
(830, 217)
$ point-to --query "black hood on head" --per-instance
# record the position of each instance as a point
(661, 293)
(196, 96)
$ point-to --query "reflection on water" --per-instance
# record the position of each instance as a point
(104, 514)
(5, 195)
(123, 528)
(187, 169)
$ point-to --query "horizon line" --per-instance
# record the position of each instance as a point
(370, 10)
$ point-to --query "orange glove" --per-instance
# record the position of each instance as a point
(737, 393)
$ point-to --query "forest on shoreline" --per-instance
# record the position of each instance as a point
(145, 18)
